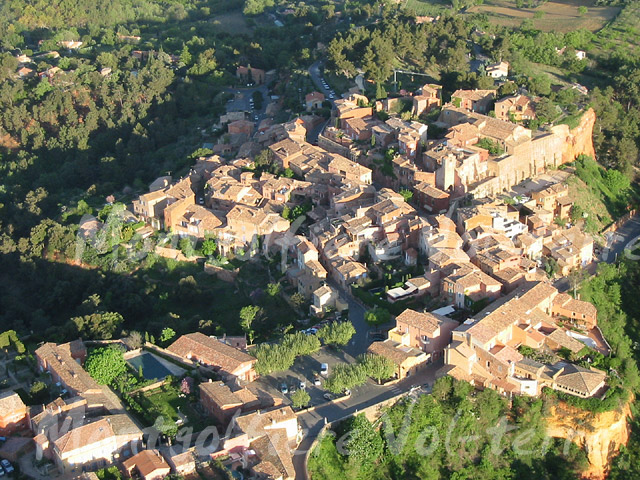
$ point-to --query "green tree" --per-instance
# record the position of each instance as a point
(209, 247)
(100, 325)
(167, 334)
(105, 364)
(336, 333)
(274, 289)
(39, 393)
(364, 443)
(377, 316)
(406, 194)
(300, 398)
(248, 315)
(186, 245)
(298, 300)
(377, 367)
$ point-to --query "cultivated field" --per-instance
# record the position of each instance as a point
(560, 16)
(622, 34)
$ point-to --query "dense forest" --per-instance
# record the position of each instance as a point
(453, 433)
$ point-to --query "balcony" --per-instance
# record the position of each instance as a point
(399, 336)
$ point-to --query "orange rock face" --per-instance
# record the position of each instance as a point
(578, 140)
(600, 435)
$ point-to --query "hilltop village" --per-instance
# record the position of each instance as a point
(478, 214)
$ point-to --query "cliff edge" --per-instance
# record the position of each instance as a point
(578, 140)
(600, 435)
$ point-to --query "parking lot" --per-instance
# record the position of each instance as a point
(305, 369)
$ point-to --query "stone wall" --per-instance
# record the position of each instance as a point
(225, 275)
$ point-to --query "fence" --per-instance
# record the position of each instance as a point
(152, 386)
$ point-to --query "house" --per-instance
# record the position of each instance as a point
(240, 127)
(150, 206)
(349, 169)
(183, 463)
(263, 442)
(571, 248)
(358, 128)
(211, 352)
(429, 97)
(147, 465)
(64, 369)
(250, 75)
(325, 298)
(431, 198)
(25, 72)
(464, 284)
(515, 108)
(580, 313)
(71, 44)
(427, 332)
(473, 100)
(96, 443)
(220, 402)
(349, 271)
(313, 100)
(497, 70)
(13, 413)
(408, 360)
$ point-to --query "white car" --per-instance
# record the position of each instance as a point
(7, 466)
(324, 369)
(317, 382)
(303, 385)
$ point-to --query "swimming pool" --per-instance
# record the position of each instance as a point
(151, 366)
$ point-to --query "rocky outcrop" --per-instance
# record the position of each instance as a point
(578, 140)
(600, 435)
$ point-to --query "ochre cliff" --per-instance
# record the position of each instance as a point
(578, 140)
(600, 435)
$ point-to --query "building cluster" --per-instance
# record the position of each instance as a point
(261, 432)
(87, 427)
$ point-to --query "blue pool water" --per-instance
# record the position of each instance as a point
(151, 367)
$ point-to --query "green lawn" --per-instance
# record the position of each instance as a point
(166, 402)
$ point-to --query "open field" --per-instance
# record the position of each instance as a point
(232, 22)
(428, 7)
(560, 16)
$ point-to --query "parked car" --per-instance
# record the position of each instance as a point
(7, 466)
(328, 396)
(292, 388)
(303, 385)
(324, 369)
(284, 389)
(347, 392)
(317, 382)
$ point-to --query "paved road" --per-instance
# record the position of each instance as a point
(362, 397)
(316, 78)
(620, 239)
